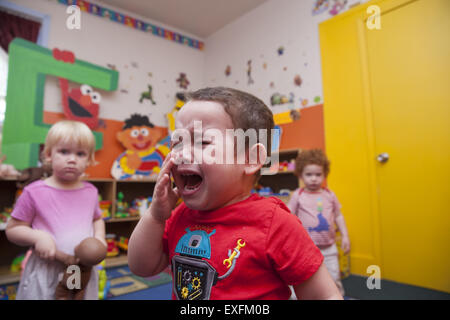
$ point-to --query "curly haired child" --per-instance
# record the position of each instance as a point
(319, 209)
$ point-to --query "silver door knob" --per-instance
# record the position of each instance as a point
(383, 157)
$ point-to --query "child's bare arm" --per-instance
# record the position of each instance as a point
(99, 230)
(146, 256)
(345, 242)
(320, 286)
(21, 233)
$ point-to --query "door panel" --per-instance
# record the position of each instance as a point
(409, 72)
(387, 91)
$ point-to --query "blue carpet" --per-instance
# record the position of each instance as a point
(160, 288)
(161, 292)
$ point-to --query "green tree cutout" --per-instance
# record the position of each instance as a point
(23, 127)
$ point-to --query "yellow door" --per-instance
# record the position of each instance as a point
(409, 75)
(404, 75)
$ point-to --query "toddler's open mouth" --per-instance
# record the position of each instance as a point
(188, 181)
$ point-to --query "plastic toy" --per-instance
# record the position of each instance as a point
(90, 252)
(16, 263)
(4, 218)
(112, 249)
(123, 243)
(105, 206)
(121, 206)
(103, 283)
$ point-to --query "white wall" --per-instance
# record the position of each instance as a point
(103, 42)
(257, 36)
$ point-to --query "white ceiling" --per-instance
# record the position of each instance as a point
(198, 17)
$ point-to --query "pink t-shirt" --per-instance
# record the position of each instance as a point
(67, 215)
(318, 212)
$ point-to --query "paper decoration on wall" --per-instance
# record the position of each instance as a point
(277, 99)
(145, 149)
(334, 8)
(337, 7)
(320, 6)
(265, 65)
(280, 50)
(180, 100)
(317, 99)
(134, 23)
(286, 116)
(249, 73)
(228, 71)
(25, 100)
(298, 80)
(272, 85)
(294, 114)
(304, 102)
(148, 95)
(79, 104)
(183, 81)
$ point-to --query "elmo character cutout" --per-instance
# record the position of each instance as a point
(80, 104)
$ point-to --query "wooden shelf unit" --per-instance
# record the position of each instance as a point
(283, 179)
(107, 188)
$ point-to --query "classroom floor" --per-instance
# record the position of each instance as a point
(355, 288)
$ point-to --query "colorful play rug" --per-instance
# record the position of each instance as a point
(122, 281)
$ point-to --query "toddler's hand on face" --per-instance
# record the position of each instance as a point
(164, 196)
(45, 246)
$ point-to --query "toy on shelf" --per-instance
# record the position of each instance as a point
(105, 206)
(122, 243)
(121, 207)
(16, 264)
(5, 216)
(268, 192)
(112, 249)
(140, 204)
(283, 167)
(291, 165)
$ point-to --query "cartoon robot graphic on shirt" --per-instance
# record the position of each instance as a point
(193, 276)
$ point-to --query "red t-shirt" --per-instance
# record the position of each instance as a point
(266, 246)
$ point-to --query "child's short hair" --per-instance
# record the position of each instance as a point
(313, 156)
(245, 110)
(68, 131)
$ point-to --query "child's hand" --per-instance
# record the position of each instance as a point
(65, 258)
(345, 244)
(164, 196)
(45, 246)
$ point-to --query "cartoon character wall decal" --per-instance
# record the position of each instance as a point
(180, 100)
(183, 81)
(80, 104)
(146, 148)
(249, 73)
(147, 95)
